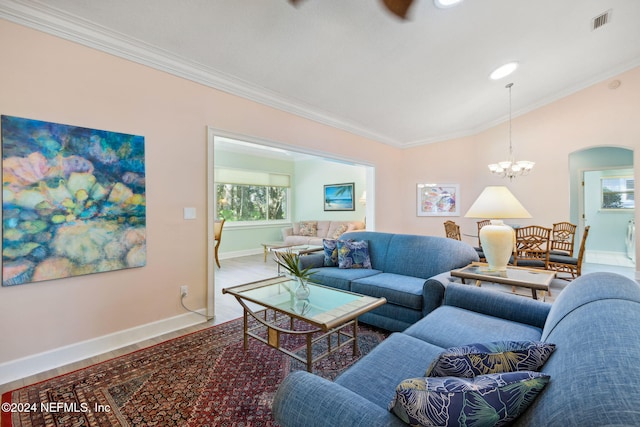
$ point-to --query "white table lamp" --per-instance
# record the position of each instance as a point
(497, 239)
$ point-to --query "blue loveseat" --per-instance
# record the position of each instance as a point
(595, 380)
(402, 265)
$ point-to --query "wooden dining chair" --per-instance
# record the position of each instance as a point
(452, 230)
(532, 247)
(562, 238)
(478, 248)
(568, 264)
(217, 237)
(481, 224)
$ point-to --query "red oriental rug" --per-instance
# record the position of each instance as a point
(201, 379)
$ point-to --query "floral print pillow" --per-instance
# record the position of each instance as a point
(353, 254)
(486, 400)
(330, 252)
(309, 228)
(495, 357)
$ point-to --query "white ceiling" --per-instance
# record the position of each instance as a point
(351, 64)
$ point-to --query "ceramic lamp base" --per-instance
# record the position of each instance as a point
(498, 240)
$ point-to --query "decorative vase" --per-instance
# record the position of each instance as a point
(302, 290)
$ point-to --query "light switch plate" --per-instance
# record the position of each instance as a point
(189, 213)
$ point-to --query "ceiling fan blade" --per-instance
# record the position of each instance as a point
(398, 7)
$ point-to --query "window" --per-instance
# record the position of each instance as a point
(618, 193)
(250, 196)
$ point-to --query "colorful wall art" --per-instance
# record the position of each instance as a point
(73, 201)
(438, 199)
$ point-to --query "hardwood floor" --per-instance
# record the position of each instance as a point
(236, 271)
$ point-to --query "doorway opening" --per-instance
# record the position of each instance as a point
(308, 171)
(602, 181)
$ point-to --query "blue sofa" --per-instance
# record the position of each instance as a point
(402, 264)
(595, 380)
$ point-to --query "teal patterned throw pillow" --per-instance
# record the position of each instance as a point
(353, 254)
(495, 357)
(486, 400)
(330, 252)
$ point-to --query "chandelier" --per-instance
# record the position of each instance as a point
(511, 168)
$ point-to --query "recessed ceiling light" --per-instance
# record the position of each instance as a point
(443, 4)
(503, 71)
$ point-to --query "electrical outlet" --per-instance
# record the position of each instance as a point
(184, 290)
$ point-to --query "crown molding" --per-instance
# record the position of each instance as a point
(42, 17)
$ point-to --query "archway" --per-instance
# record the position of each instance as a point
(590, 170)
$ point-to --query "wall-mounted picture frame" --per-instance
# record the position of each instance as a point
(438, 199)
(339, 197)
(74, 201)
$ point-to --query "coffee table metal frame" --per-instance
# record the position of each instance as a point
(532, 278)
(326, 323)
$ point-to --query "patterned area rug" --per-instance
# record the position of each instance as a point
(201, 379)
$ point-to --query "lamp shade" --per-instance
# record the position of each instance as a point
(497, 202)
(497, 239)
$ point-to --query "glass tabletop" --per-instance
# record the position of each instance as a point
(512, 274)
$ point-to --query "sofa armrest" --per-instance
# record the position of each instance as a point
(498, 304)
(315, 260)
(307, 400)
(287, 231)
(433, 292)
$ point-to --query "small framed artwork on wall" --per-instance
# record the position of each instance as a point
(438, 199)
(339, 197)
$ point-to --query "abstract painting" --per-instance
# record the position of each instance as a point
(73, 201)
(339, 197)
(438, 200)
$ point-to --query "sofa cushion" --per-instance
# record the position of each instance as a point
(340, 278)
(401, 290)
(330, 247)
(426, 256)
(398, 357)
(486, 400)
(378, 245)
(469, 326)
(298, 240)
(472, 360)
(308, 228)
(353, 254)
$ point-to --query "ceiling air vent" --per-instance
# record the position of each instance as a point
(601, 20)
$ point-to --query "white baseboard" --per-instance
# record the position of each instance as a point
(248, 252)
(20, 368)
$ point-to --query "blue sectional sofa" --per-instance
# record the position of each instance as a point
(594, 375)
(401, 264)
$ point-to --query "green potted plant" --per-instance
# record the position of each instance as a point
(290, 262)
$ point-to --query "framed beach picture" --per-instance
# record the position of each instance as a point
(339, 197)
(438, 199)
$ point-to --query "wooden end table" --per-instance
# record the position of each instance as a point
(532, 278)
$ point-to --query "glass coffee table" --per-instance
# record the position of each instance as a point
(532, 278)
(326, 313)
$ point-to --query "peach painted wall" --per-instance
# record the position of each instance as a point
(594, 117)
(47, 78)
